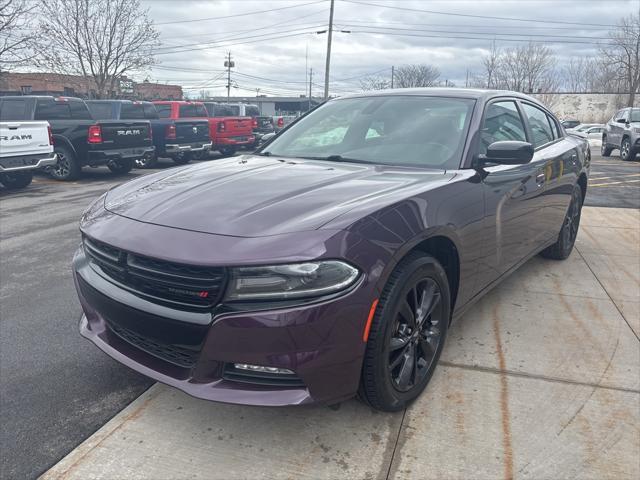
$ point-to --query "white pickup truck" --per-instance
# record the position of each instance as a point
(24, 147)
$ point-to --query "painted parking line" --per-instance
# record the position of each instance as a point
(622, 183)
(621, 175)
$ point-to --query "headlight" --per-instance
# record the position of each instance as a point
(283, 282)
(636, 129)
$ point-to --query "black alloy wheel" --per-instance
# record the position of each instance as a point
(417, 335)
(625, 150)
(569, 230)
(67, 167)
(407, 333)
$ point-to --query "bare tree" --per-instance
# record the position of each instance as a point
(491, 65)
(16, 34)
(375, 82)
(409, 76)
(622, 54)
(102, 40)
(204, 94)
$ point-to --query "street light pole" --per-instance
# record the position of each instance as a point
(328, 64)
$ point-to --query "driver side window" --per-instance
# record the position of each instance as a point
(502, 121)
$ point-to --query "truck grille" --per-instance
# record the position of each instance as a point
(159, 281)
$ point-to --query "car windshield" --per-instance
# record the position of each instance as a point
(414, 131)
(635, 115)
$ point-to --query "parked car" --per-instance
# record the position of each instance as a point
(24, 147)
(352, 240)
(164, 129)
(261, 124)
(582, 127)
(228, 132)
(281, 121)
(569, 123)
(622, 132)
(186, 130)
(79, 139)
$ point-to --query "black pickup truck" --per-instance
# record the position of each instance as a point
(78, 138)
(172, 137)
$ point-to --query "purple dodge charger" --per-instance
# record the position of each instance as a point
(332, 261)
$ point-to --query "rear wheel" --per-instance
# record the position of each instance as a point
(16, 180)
(182, 158)
(227, 151)
(605, 150)
(121, 167)
(407, 334)
(626, 152)
(202, 155)
(569, 231)
(67, 167)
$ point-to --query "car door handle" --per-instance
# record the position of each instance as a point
(540, 179)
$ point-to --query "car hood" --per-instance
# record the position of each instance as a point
(253, 196)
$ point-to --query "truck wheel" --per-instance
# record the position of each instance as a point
(626, 153)
(227, 151)
(182, 158)
(605, 150)
(148, 161)
(202, 155)
(16, 180)
(67, 168)
(121, 166)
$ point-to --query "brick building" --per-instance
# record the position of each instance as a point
(12, 83)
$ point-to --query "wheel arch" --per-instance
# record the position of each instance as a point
(582, 182)
(64, 141)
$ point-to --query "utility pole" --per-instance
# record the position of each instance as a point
(310, 84)
(466, 83)
(328, 64)
(393, 70)
(229, 63)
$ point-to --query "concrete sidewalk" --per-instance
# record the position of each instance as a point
(541, 380)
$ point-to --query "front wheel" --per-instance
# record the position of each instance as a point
(605, 150)
(569, 231)
(16, 180)
(626, 152)
(121, 167)
(407, 334)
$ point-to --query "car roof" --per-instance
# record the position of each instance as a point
(473, 93)
(41, 97)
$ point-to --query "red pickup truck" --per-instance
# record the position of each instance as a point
(228, 132)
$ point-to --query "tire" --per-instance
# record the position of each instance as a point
(182, 158)
(67, 168)
(227, 151)
(390, 379)
(626, 152)
(16, 180)
(202, 155)
(605, 149)
(569, 231)
(148, 161)
(120, 167)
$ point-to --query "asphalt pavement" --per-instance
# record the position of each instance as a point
(56, 388)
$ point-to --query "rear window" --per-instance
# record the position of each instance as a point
(192, 110)
(132, 111)
(100, 111)
(13, 110)
(252, 111)
(164, 111)
(150, 111)
(216, 110)
(51, 110)
(234, 109)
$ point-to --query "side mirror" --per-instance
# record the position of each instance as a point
(621, 120)
(508, 153)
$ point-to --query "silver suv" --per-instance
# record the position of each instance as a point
(622, 132)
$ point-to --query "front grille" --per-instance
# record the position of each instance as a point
(178, 355)
(160, 281)
(261, 378)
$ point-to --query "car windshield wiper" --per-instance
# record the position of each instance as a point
(336, 158)
(263, 154)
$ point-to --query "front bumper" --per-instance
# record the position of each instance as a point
(321, 343)
(102, 157)
(177, 148)
(27, 162)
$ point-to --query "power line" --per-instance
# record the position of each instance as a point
(511, 19)
(240, 14)
(529, 27)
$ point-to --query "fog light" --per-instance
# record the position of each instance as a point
(258, 368)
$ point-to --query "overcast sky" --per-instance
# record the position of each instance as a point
(272, 44)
